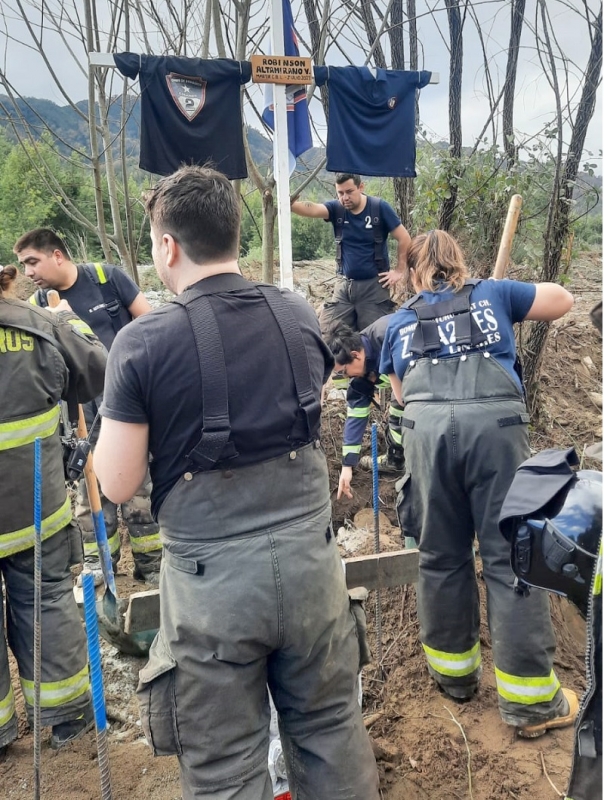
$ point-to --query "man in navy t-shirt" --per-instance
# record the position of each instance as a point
(105, 299)
(361, 226)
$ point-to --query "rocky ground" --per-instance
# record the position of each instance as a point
(427, 747)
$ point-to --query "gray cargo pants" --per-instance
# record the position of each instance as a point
(64, 689)
(356, 304)
(464, 435)
(253, 595)
(136, 513)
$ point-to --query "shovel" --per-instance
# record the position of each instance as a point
(110, 609)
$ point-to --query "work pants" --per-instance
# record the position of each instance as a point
(464, 435)
(136, 513)
(64, 688)
(253, 596)
(356, 304)
(142, 529)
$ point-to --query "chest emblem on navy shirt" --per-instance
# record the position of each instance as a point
(189, 93)
(392, 102)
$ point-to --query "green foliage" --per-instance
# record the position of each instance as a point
(485, 183)
(311, 238)
(588, 231)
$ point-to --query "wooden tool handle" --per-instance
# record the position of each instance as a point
(509, 230)
(53, 298)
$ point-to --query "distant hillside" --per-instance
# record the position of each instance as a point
(68, 126)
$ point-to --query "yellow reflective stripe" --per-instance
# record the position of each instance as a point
(397, 436)
(454, 664)
(359, 413)
(100, 272)
(15, 541)
(526, 690)
(7, 707)
(396, 411)
(339, 382)
(81, 326)
(33, 300)
(351, 448)
(24, 431)
(145, 544)
(383, 382)
(58, 693)
(92, 549)
(598, 578)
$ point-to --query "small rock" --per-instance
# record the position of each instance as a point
(588, 362)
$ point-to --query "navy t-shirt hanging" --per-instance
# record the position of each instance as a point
(371, 128)
(190, 111)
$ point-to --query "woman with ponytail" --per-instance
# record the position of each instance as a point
(451, 357)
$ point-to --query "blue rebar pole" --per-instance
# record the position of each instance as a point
(376, 532)
(37, 610)
(96, 682)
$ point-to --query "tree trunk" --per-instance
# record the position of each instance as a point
(269, 213)
(517, 23)
(560, 222)
(397, 48)
(404, 188)
(94, 148)
(372, 36)
(455, 74)
(317, 40)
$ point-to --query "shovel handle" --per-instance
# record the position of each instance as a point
(92, 486)
(507, 237)
(53, 298)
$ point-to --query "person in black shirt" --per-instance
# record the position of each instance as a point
(105, 299)
(223, 388)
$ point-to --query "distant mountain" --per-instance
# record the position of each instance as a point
(67, 124)
(70, 129)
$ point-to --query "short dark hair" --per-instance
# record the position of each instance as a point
(342, 177)
(200, 209)
(43, 239)
(343, 341)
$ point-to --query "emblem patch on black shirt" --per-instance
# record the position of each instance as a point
(188, 93)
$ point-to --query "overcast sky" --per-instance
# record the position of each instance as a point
(535, 104)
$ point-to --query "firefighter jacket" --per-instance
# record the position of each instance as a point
(33, 379)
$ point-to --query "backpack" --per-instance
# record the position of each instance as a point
(373, 205)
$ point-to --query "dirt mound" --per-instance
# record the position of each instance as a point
(428, 747)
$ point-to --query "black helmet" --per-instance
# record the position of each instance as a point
(556, 547)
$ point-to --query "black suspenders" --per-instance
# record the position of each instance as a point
(426, 339)
(215, 446)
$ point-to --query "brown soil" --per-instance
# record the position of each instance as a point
(428, 748)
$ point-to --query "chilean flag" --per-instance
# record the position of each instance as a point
(298, 121)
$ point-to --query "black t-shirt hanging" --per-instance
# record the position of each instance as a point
(190, 111)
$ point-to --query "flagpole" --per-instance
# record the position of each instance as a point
(281, 155)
